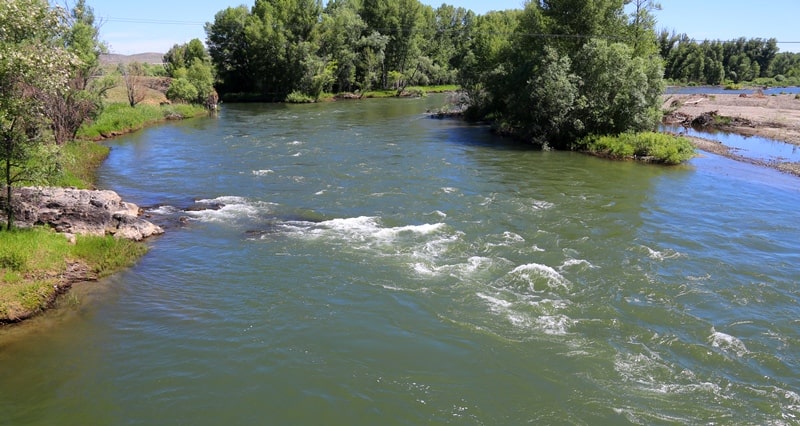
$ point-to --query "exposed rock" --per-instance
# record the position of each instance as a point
(78, 211)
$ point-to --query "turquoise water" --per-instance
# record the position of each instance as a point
(359, 263)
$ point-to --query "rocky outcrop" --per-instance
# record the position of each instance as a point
(79, 211)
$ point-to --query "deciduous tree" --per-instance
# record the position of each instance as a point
(31, 62)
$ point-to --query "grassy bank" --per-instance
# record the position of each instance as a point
(120, 118)
(36, 264)
(411, 91)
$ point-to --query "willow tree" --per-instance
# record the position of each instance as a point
(566, 72)
(32, 61)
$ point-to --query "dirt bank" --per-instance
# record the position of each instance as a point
(774, 117)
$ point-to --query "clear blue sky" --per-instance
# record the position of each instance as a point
(137, 26)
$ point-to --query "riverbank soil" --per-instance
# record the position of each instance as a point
(774, 117)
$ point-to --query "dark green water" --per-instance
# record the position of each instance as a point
(372, 266)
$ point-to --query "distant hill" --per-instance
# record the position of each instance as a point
(145, 58)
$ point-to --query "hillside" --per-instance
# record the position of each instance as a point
(145, 58)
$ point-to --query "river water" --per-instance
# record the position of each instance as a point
(356, 263)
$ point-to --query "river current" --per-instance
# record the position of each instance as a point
(357, 263)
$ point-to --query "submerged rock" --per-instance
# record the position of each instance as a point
(80, 211)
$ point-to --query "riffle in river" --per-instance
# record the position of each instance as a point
(357, 263)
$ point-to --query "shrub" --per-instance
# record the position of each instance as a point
(648, 146)
(182, 90)
(299, 98)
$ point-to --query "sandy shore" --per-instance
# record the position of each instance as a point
(774, 117)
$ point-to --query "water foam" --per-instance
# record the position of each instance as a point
(164, 210)
(660, 255)
(538, 276)
(262, 172)
(231, 208)
(727, 343)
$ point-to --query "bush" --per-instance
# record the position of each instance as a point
(298, 98)
(181, 90)
(647, 146)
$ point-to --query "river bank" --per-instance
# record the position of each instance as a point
(103, 233)
(774, 117)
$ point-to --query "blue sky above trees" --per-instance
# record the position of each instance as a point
(155, 25)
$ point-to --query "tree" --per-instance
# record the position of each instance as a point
(620, 92)
(556, 79)
(340, 31)
(230, 50)
(181, 90)
(189, 64)
(133, 77)
(642, 25)
(81, 98)
(31, 61)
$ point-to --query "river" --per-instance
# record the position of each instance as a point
(356, 263)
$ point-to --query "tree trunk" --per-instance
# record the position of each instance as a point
(9, 208)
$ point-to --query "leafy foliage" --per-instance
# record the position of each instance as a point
(650, 146)
(560, 79)
(34, 65)
(190, 67)
(715, 62)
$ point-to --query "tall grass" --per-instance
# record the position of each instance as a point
(648, 146)
(119, 118)
(79, 161)
(33, 262)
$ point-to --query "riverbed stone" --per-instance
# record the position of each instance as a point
(80, 211)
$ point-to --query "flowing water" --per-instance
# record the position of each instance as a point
(358, 263)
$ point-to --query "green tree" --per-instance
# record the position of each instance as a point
(190, 64)
(81, 98)
(642, 27)
(230, 50)
(619, 92)
(340, 31)
(182, 90)
(32, 60)
(399, 20)
(556, 79)
(576, 21)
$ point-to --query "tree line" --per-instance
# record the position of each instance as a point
(553, 72)
(719, 62)
(277, 47)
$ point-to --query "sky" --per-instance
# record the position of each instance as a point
(138, 26)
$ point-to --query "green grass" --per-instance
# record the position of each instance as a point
(79, 162)
(649, 146)
(32, 262)
(414, 90)
(119, 118)
(106, 255)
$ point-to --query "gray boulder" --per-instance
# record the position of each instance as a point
(80, 211)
